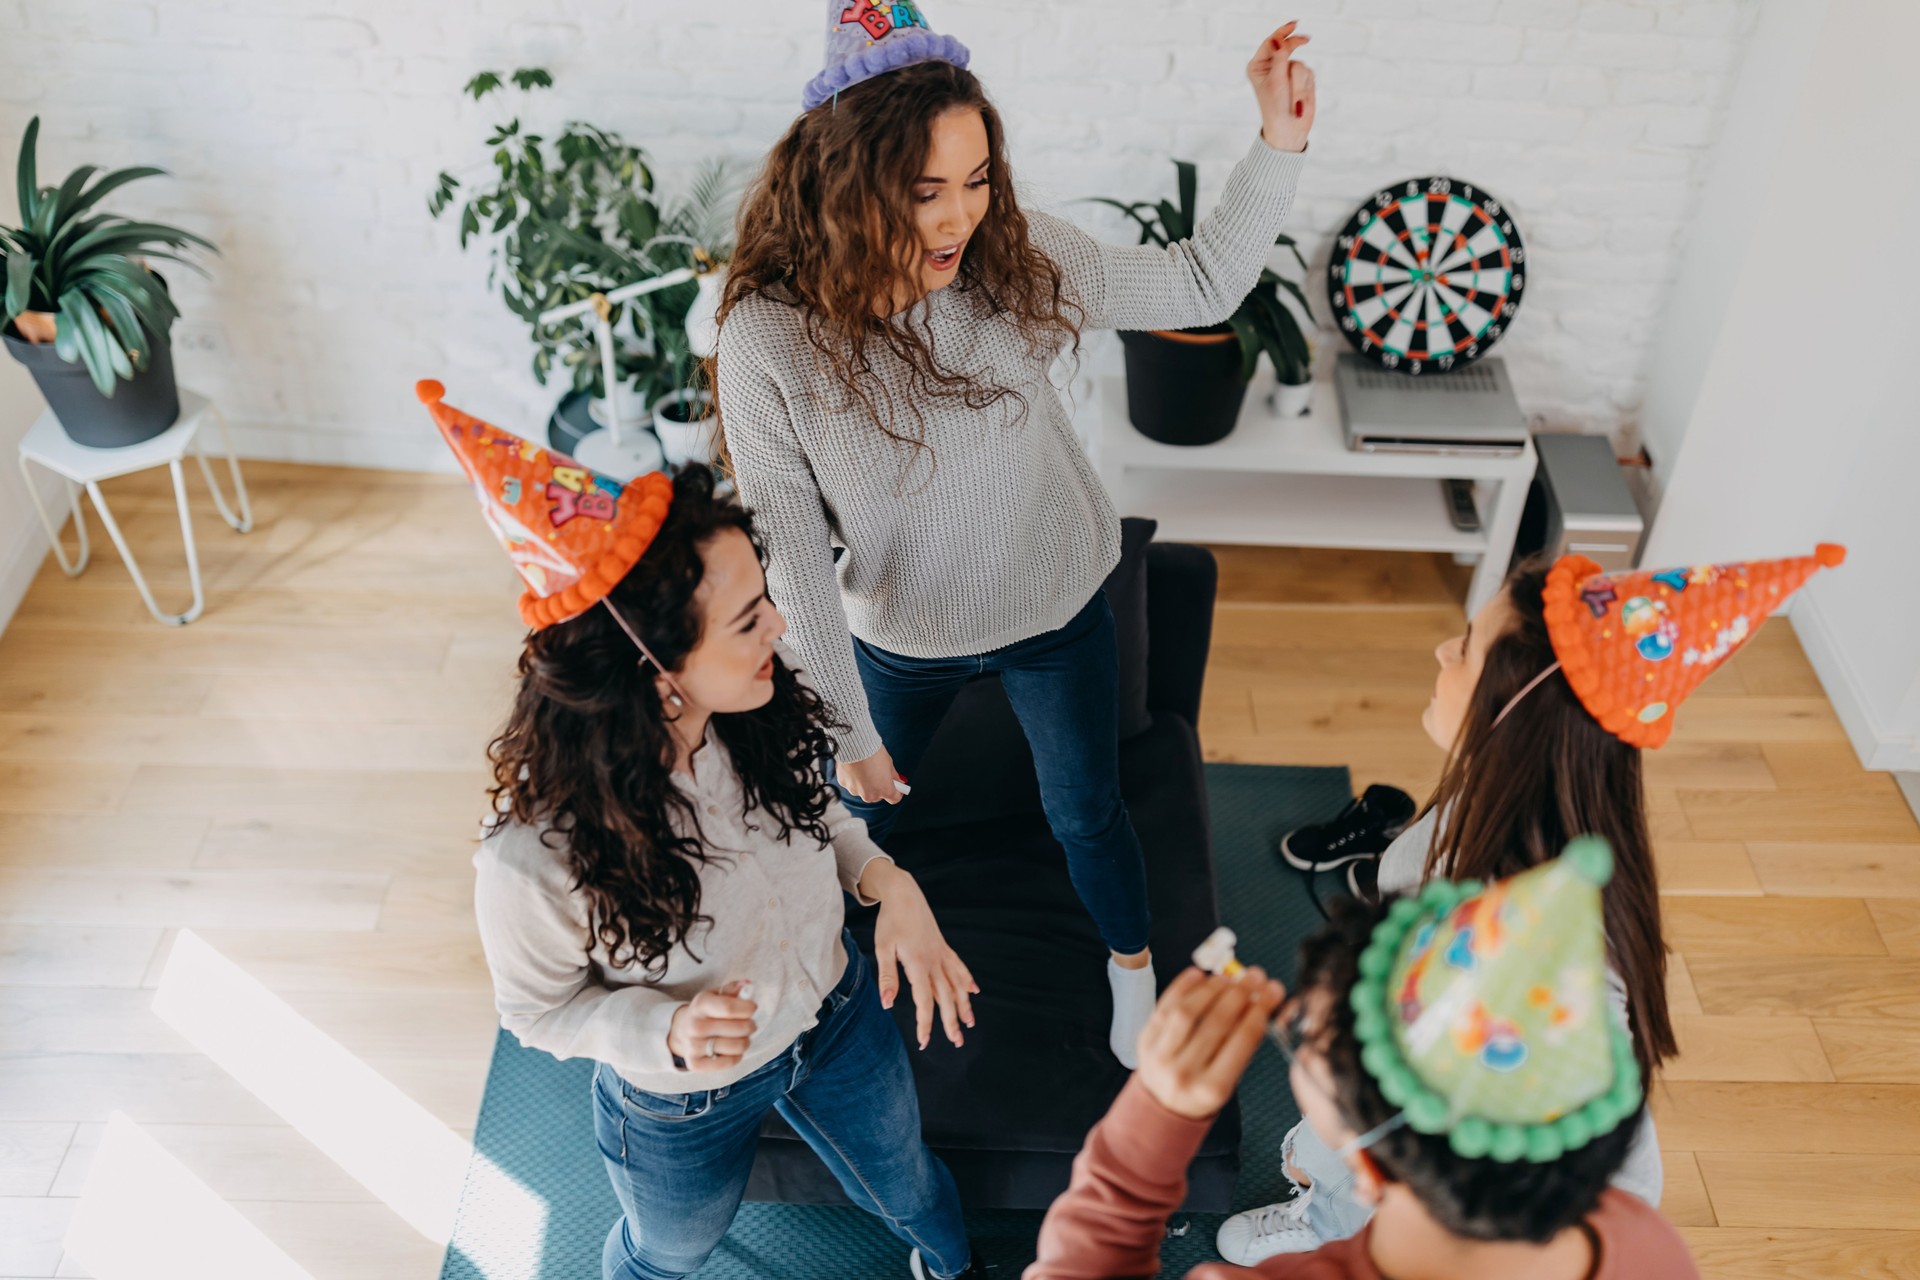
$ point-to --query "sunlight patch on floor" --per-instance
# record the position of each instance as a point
(388, 1142)
(144, 1216)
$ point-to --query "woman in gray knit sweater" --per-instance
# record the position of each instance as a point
(886, 334)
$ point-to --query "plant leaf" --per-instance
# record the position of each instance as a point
(1250, 344)
(76, 316)
(1287, 242)
(1294, 289)
(483, 84)
(96, 343)
(1177, 228)
(1150, 232)
(19, 283)
(26, 175)
(66, 337)
(532, 78)
(118, 178)
(126, 326)
(54, 211)
(121, 237)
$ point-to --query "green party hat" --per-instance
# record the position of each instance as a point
(1482, 1011)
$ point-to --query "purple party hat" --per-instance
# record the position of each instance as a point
(867, 38)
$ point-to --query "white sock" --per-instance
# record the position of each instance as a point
(1133, 996)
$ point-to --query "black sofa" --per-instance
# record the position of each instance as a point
(1009, 1110)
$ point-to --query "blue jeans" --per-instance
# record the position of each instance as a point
(1065, 689)
(679, 1162)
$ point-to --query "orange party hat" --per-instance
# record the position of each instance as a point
(1634, 645)
(572, 533)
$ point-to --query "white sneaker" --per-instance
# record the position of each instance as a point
(1258, 1234)
(918, 1266)
(1133, 995)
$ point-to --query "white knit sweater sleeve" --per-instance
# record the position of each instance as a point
(536, 935)
(777, 484)
(1197, 281)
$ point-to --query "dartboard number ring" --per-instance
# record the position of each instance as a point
(1426, 275)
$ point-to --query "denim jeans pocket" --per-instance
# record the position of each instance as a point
(669, 1108)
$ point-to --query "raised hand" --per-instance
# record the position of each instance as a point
(1284, 89)
(1202, 1034)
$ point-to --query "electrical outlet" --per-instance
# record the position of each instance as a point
(200, 339)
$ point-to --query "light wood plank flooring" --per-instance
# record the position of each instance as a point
(296, 778)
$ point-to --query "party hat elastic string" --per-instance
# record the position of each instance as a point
(1531, 685)
(645, 652)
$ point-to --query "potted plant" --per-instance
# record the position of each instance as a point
(84, 311)
(1185, 387)
(576, 215)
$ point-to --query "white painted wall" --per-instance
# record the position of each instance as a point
(1804, 426)
(305, 137)
(1766, 94)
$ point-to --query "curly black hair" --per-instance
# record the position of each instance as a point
(1480, 1199)
(589, 752)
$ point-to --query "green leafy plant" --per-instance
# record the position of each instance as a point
(1263, 321)
(88, 268)
(577, 214)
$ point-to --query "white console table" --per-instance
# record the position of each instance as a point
(1296, 484)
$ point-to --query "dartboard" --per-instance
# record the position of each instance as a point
(1426, 275)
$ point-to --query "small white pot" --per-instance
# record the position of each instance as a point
(685, 442)
(1291, 400)
(633, 408)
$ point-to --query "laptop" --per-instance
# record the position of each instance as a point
(1468, 411)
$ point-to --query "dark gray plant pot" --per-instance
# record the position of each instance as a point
(139, 409)
(570, 423)
(1184, 389)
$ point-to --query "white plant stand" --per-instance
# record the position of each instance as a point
(1294, 483)
(83, 467)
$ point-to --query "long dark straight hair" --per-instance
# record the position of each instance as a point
(589, 748)
(1513, 795)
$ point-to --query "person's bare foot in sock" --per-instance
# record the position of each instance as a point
(1131, 978)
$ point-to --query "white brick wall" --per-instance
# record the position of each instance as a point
(304, 138)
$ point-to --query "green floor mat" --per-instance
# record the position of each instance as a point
(537, 1205)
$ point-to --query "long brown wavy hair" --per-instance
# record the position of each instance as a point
(828, 227)
(1513, 795)
(589, 749)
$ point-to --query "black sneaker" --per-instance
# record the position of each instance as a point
(1364, 829)
(1363, 879)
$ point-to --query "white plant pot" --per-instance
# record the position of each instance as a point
(703, 317)
(633, 408)
(685, 442)
(1291, 400)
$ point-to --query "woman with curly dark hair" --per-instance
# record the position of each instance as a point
(886, 333)
(661, 888)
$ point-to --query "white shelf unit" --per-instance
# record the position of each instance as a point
(1294, 483)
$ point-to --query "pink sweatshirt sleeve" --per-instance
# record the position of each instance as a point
(1127, 1181)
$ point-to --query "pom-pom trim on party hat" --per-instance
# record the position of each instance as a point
(1561, 601)
(643, 509)
(1475, 1137)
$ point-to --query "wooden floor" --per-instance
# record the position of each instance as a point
(296, 778)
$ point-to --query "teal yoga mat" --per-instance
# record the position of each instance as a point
(536, 1205)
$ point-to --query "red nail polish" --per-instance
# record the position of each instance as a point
(1276, 42)
(1299, 109)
